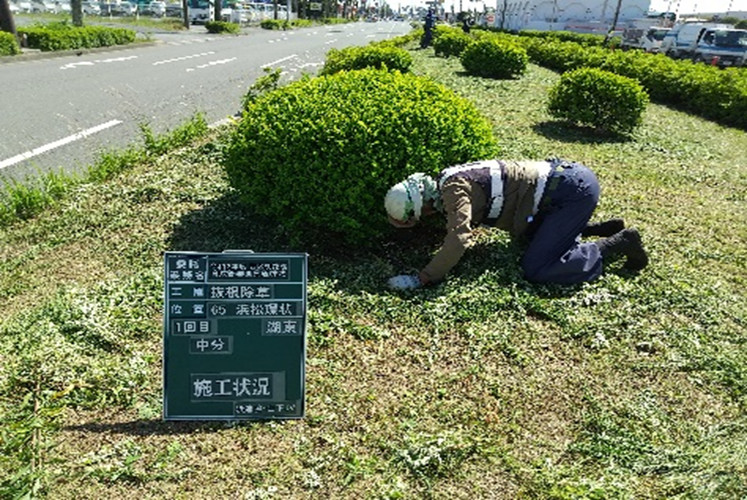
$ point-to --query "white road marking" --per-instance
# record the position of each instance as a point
(91, 63)
(273, 63)
(212, 63)
(75, 65)
(53, 145)
(183, 58)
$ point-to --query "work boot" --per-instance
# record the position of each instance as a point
(605, 228)
(626, 242)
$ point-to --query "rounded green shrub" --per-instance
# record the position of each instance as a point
(370, 56)
(451, 43)
(494, 58)
(8, 44)
(222, 27)
(274, 24)
(599, 99)
(318, 155)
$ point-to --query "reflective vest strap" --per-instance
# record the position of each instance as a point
(493, 186)
(496, 191)
(543, 172)
(457, 169)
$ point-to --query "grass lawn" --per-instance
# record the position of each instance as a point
(485, 386)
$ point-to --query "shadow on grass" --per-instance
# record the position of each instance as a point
(567, 132)
(225, 224)
(466, 74)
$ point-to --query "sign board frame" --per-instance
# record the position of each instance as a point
(234, 335)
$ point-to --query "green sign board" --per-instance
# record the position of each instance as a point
(234, 341)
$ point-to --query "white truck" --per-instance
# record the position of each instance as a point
(681, 40)
(200, 11)
(722, 47)
(648, 40)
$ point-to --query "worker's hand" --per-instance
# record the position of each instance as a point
(405, 282)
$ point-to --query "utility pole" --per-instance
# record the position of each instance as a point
(7, 23)
(614, 22)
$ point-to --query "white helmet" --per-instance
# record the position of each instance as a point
(405, 199)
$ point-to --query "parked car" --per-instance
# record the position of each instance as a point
(14, 9)
(722, 47)
(156, 9)
(242, 16)
(64, 7)
(174, 10)
(124, 9)
(43, 6)
(107, 8)
(24, 6)
(91, 8)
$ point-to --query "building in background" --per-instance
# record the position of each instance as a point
(591, 16)
(584, 16)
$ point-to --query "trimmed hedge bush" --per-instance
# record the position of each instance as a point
(562, 56)
(8, 44)
(585, 39)
(451, 43)
(599, 99)
(370, 56)
(65, 37)
(274, 24)
(319, 154)
(222, 27)
(494, 58)
(719, 95)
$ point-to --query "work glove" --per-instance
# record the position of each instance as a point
(405, 282)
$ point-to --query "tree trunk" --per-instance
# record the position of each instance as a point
(218, 6)
(77, 12)
(7, 23)
(185, 13)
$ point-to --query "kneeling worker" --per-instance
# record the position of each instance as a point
(548, 202)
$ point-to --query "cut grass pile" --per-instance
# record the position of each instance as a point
(485, 386)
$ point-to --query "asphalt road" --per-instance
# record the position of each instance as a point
(60, 112)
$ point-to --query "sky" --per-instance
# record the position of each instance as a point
(685, 6)
(692, 6)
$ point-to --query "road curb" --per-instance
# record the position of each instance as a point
(32, 55)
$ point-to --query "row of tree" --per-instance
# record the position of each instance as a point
(7, 22)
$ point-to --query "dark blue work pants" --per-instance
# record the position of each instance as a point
(556, 253)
